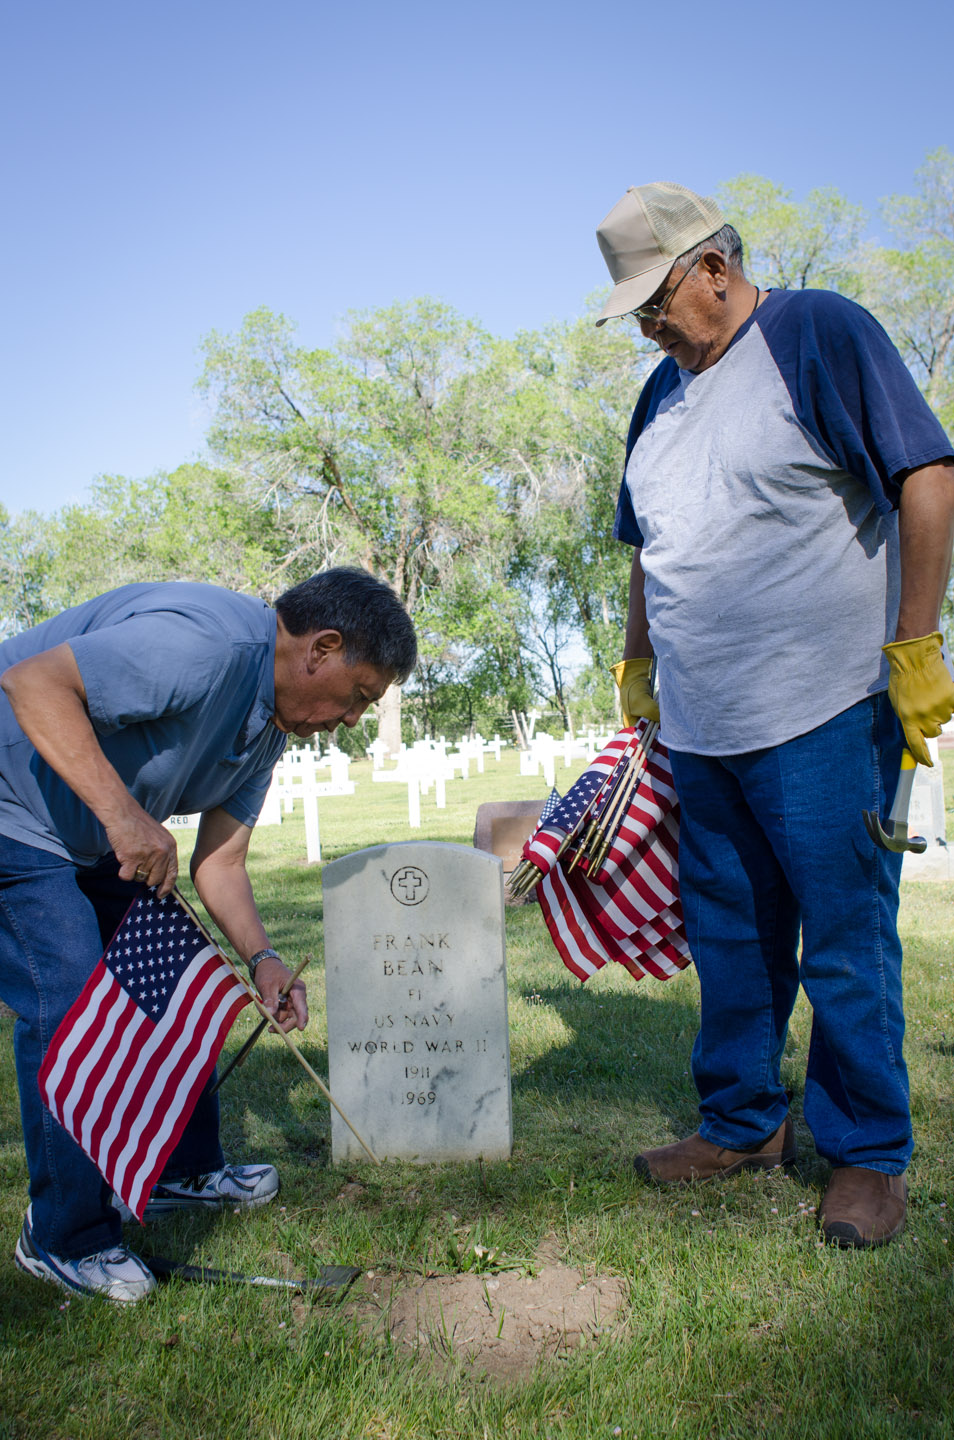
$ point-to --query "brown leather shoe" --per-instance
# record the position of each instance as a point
(696, 1159)
(862, 1207)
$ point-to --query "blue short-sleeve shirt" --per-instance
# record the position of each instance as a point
(180, 689)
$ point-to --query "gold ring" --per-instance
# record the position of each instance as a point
(140, 875)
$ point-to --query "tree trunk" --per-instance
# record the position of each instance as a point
(389, 718)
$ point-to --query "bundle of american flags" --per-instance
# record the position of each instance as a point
(126, 1066)
(604, 862)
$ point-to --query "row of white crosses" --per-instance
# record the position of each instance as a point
(472, 748)
(543, 750)
(427, 764)
(297, 776)
(430, 764)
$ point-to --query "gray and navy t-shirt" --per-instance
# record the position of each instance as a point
(763, 493)
(180, 689)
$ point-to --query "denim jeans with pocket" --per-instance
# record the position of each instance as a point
(56, 919)
(772, 847)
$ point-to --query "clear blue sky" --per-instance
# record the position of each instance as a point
(170, 166)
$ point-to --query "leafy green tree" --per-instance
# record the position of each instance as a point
(566, 434)
(373, 454)
(193, 524)
(792, 245)
(27, 558)
(911, 287)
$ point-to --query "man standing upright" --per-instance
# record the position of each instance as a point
(790, 499)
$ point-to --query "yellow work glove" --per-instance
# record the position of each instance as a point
(635, 692)
(920, 689)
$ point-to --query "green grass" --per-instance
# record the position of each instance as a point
(739, 1322)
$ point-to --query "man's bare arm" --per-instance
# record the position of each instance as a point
(48, 698)
(926, 524)
(637, 645)
(221, 879)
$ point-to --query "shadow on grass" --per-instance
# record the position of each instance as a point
(629, 1060)
(630, 1050)
(270, 1109)
(616, 1073)
(21, 1313)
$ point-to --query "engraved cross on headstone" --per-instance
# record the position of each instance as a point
(410, 881)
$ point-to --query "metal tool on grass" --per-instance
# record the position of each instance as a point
(330, 1278)
(895, 837)
(260, 1028)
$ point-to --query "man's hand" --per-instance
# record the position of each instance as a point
(920, 689)
(636, 697)
(270, 976)
(144, 848)
(220, 877)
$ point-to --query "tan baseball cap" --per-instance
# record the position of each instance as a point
(645, 232)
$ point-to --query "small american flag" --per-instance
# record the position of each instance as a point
(550, 806)
(630, 911)
(126, 1066)
(562, 815)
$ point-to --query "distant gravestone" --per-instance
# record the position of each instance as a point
(926, 816)
(418, 1044)
(504, 826)
(182, 822)
(926, 812)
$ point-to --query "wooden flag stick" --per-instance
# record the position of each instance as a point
(269, 1018)
(605, 795)
(639, 764)
(614, 815)
(526, 875)
(593, 830)
(615, 821)
(614, 807)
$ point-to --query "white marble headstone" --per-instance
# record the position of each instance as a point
(418, 1043)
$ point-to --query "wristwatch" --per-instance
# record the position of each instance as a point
(267, 954)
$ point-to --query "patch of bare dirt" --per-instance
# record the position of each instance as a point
(350, 1193)
(501, 1324)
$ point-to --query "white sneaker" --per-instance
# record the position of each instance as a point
(117, 1274)
(244, 1186)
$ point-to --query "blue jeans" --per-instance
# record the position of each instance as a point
(56, 919)
(772, 844)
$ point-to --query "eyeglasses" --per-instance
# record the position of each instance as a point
(653, 314)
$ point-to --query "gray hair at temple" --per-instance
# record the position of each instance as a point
(372, 622)
(728, 240)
